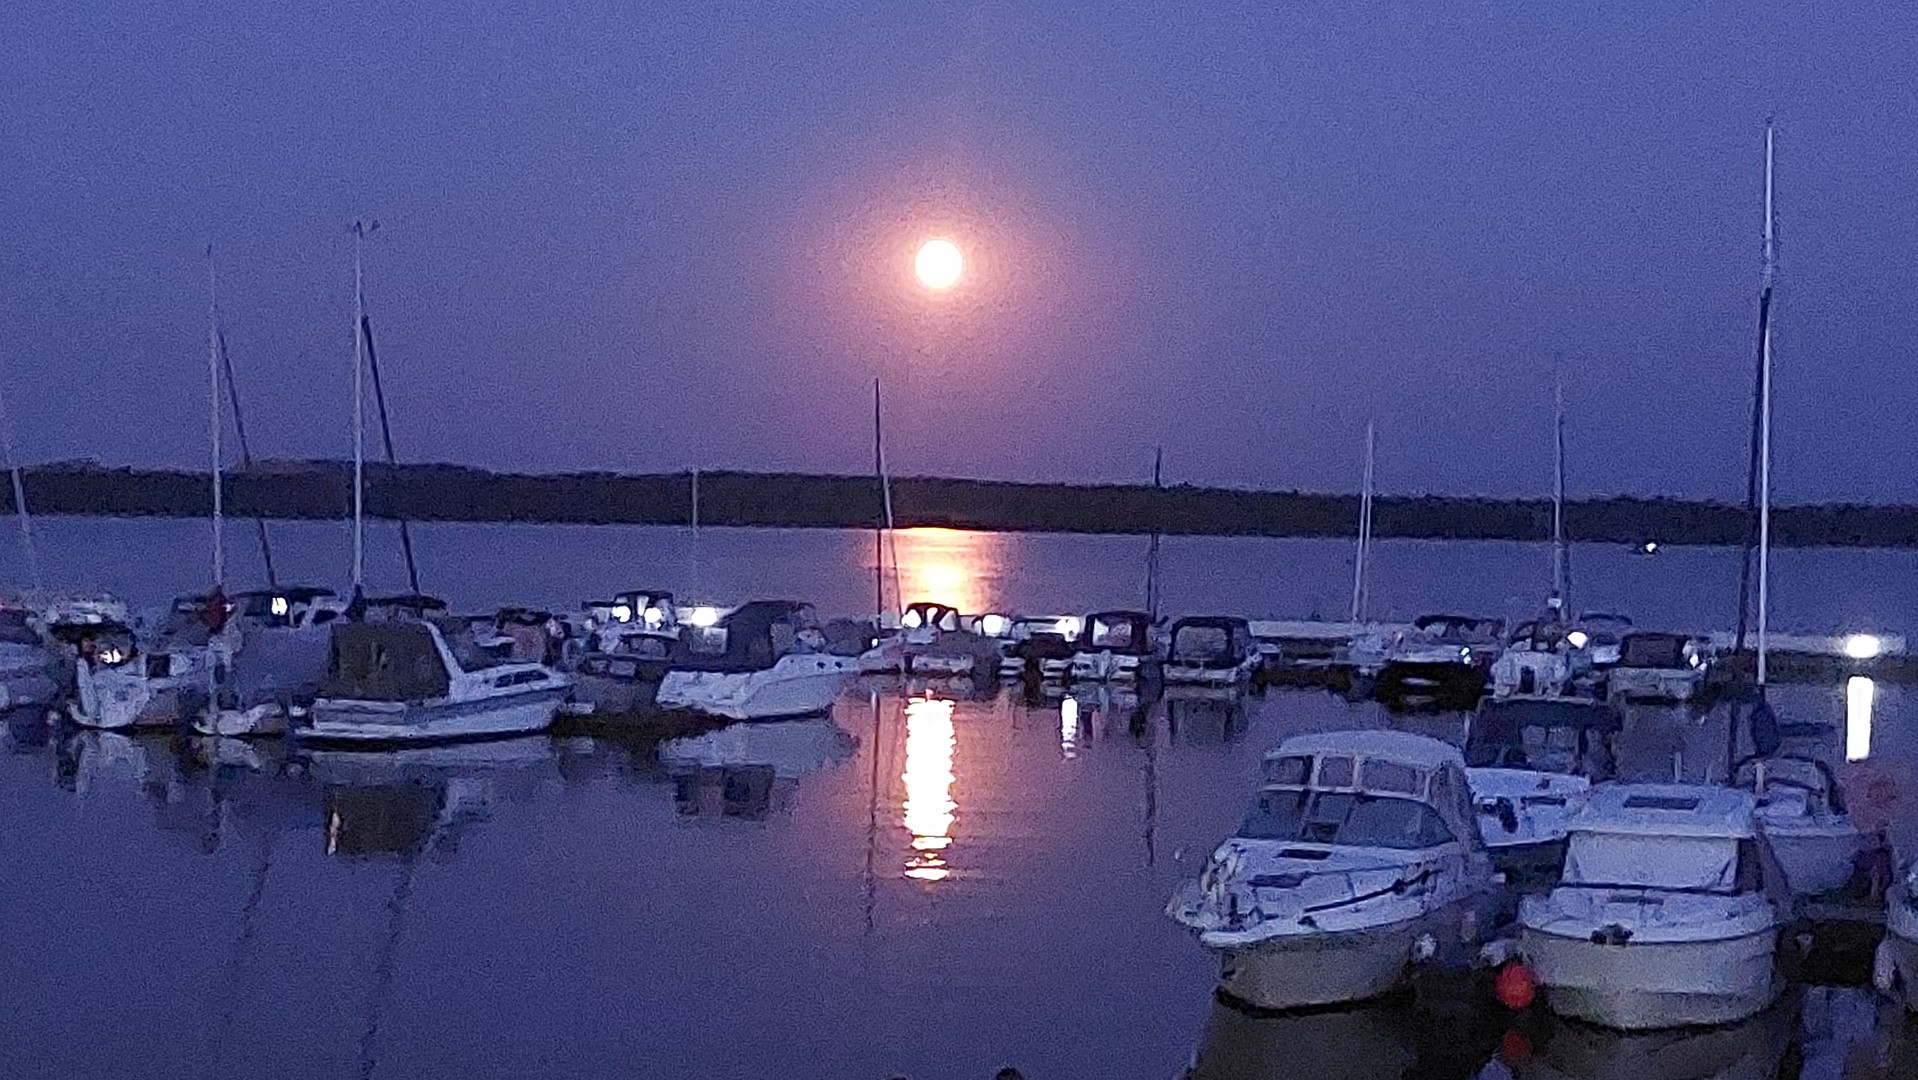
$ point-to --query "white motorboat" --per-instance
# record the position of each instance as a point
(1360, 857)
(933, 639)
(764, 660)
(117, 685)
(1801, 813)
(1896, 968)
(269, 660)
(1540, 659)
(409, 680)
(1042, 646)
(1531, 763)
(1669, 912)
(1441, 662)
(1117, 646)
(1657, 667)
(1212, 650)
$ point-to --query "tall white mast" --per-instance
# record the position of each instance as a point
(1764, 420)
(28, 547)
(1360, 593)
(1558, 493)
(215, 417)
(359, 406)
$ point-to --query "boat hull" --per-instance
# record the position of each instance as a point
(337, 721)
(1645, 985)
(1303, 971)
(796, 687)
(1895, 970)
(1816, 858)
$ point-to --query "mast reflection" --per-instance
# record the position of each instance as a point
(928, 806)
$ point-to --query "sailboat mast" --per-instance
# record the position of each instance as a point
(885, 495)
(1764, 422)
(1559, 583)
(1360, 593)
(1152, 550)
(214, 423)
(359, 408)
(28, 547)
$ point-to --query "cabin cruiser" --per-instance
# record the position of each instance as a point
(764, 660)
(620, 676)
(1359, 858)
(1117, 646)
(417, 677)
(1441, 662)
(1802, 814)
(1531, 763)
(1896, 968)
(117, 685)
(1540, 659)
(1211, 649)
(1657, 667)
(1042, 647)
(1668, 913)
(933, 639)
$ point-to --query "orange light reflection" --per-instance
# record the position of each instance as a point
(928, 807)
(949, 566)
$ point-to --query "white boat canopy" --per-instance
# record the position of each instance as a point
(1671, 810)
(1399, 746)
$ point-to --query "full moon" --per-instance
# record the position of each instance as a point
(938, 264)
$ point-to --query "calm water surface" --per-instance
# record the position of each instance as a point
(925, 885)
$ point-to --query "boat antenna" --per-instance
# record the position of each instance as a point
(882, 537)
(1152, 547)
(360, 229)
(1764, 412)
(216, 418)
(1560, 569)
(27, 546)
(386, 437)
(1360, 592)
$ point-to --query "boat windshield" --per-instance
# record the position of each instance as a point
(1710, 864)
(1202, 643)
(1110, 635)
(1346, 819)
(1653, 651)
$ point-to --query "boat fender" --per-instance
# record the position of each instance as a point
(1515, 987)
(1884, 969)
(1424, 947)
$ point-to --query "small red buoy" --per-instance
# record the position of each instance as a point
(1515, 986)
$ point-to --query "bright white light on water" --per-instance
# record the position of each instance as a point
(1650, 547)
(655, 617)
(1069, 727)
(1859, 692)
(622, 613)
(994, 625)
(703, 616)
(1578, 639)
(278, 606)
(1864, 646)
(927, 812)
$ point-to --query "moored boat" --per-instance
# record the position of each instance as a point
(1896, 968)
(1668, 914)
(1803, 815)
(764, 660)
(1531, 763)
(1116, 646)
(1359, 858)
(1215, 650)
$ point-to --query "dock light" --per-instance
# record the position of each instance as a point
(994, 625)
(1649, 547)
(655, 617)
(111, 656)
(911, 620)
(1578, 639)
(1864, 646)
(1859, 692)
(278, 606)
(703, 616)
(622, 613)
(1069, 627)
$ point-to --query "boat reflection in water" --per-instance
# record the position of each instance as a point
(1366, 1042)
(1206, 715)
(407, 802)
(750, 770)
(1750, 1050)
(928, 809)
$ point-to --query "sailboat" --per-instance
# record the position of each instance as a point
(1799, 806)
(1546, 656)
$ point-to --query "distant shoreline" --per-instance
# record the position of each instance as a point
(323, 491)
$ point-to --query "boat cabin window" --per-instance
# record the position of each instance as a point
(1653, 651)
(1344, 818)
(1716, 864)
(785, 637)
(1550, 749)
(1113, 635)
(705, 640)
(1336, 772)
(1295, 771)
(1391, 777)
